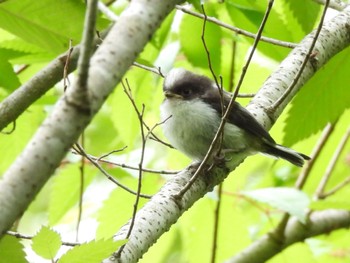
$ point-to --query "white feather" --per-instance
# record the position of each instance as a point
(193, 125)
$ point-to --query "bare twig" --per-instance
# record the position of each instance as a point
(21, 69)
(156, 138)
(107, 12)
(19, 235)
(81, 190)
(216, 224)
(82, 80)
(207, 51)
(232, 68)
(66, 66)
(334, 4)
(278, 233)
(87, 44)
(108, 154)
(236, 29)
(150, 69)
(140, 115)
(82, 152)
(122, 165)
(336, 188)
(278, 102)
(320, 189)
(218, 85)
(328, 130)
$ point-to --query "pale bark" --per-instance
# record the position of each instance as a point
(25, 177)
(157, 216)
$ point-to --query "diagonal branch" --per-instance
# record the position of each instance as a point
(29, 172)
(157, 216)
(319, 223)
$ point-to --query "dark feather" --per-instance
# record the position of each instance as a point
(238, 115)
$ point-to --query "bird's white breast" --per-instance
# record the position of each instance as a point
(192, 127)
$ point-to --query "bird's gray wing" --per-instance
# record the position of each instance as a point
(238, 115)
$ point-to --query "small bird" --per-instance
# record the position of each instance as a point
(193, 108)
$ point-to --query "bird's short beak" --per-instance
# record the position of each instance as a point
(169, 95)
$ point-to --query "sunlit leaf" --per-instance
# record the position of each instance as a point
(11, 250)
(92, 252)
(66, 190)
(191, 29)
(322, 100)
(289, 200)
(46, 243)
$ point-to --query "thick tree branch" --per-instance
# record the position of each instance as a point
(319, 223)
(163, 210)
(19, 100)
(60, 130)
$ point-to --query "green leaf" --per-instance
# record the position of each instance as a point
(92, 252)
(248, 15)
(306, 13)
(66, 189)
(8, 78)
(118, 207)
(190, 37)
(322, 100)
(46, 243)
(289, 200)
(49, 24)
(162, 33)
(116, 210)
(254, 15)
(11, 250)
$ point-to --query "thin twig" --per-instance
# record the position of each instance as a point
(299, 184)
(336, 188)
(81, 190)
(278, 102)
(236, 29)
(327, 131)
(216, 224)
(18, 235)
(218, 85)
(207, 51)
(87, 44)
(21, 68)
(330, 168)
(144, 138)
(111, 152)
(245, 95)
(232, 67)
(334, 4)
(83, 69)
(122, 165)
(154, 70)
(66, 66)
(140, 115)
(229, 107)
(82, 152)
(156, 138)
(107, 12)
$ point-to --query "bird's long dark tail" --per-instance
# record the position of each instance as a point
(285, 153)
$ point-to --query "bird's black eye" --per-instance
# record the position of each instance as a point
(186, 92)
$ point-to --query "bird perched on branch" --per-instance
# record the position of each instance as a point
(194, 108)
